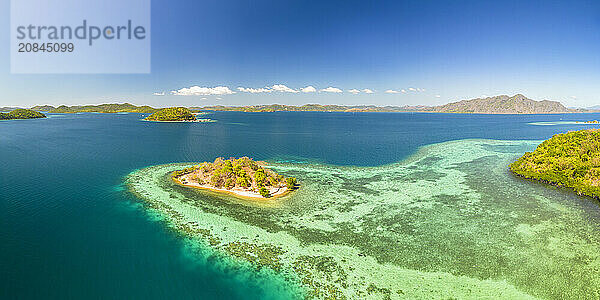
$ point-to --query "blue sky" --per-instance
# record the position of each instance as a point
(436, 51)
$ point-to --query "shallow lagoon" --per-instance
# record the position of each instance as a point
(448, 222)
(70, 228)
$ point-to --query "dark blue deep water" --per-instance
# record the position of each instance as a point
(69, 230)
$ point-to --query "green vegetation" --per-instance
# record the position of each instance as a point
(21, 114)
(570, 159)
(172, 114)
(291, 183)
(264, 192)
(242, 174)
(102, 108)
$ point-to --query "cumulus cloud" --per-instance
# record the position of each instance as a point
(308, 89)
(158, 94)
(355, 91)
(199, 91)
(331, 90)
(392, 92)
(254, 91)
(283, 88)
(574, 97)
(412, 89)
(437, 96)
(403, 90)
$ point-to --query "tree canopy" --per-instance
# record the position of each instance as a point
(570, 159)
(172, 114)
(21, 114)
(242, 173)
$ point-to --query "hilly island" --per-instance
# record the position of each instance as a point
(21, 114)
(570, 160)
(175, 114)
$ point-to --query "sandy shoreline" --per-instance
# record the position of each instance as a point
(237, 192)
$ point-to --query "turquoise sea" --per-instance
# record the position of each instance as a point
(426, 195)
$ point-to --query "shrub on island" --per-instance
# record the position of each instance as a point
(291, 183)
(570, 159)
(236, 174)
(264, 192)
(172, 114)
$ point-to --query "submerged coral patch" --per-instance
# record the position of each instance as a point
(448, 222)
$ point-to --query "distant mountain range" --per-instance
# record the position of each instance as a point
(306, 107)
(102, 108)
(503, 104)
(7, 109)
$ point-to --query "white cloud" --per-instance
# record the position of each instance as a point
(254, 91)
(410, 89)
(308, 89)
(198, 91)
(158, 94)
(574, 97)
(438, 96)
(283, 88)
(355, 91)
(331, 90)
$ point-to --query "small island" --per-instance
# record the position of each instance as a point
(21, 114)
(570, 159)
(175, 114)
(242, 177)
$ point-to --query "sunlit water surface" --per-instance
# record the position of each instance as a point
(391, 205)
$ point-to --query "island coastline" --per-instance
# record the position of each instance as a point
(241, 177)
(238, 193)
(566, 160)
(182, 121)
